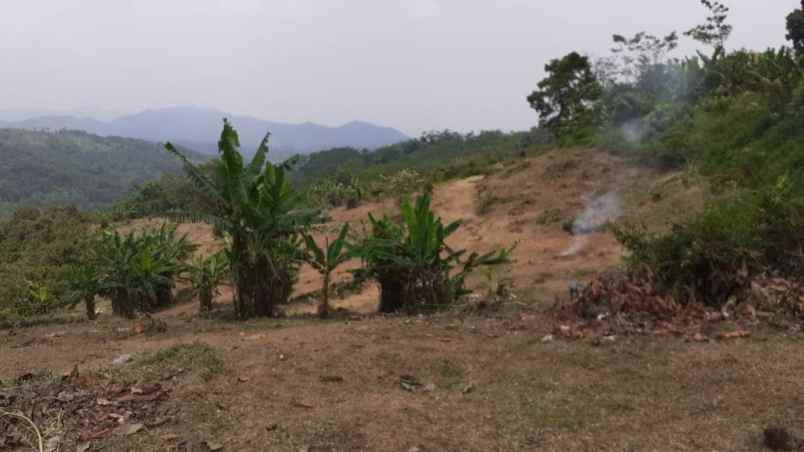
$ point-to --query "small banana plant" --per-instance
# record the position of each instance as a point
(206, 275)
(325, 260)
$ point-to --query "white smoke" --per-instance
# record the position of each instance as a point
(633, 131)
(599, 211)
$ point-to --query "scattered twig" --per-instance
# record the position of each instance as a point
(27, 420)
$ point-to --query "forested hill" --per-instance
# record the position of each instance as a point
(73, 167)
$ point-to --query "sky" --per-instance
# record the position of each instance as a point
(411, 64)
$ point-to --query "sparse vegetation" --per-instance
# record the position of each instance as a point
(325, 260)
(206, 274)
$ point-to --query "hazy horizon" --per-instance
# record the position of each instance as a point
(415, 65)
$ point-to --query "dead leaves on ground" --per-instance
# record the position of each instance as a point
(631, 304)
(81, 409)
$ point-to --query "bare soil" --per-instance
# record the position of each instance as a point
(463, 380)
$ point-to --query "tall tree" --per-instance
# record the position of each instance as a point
(565, 98)
(714, 32)
(795, 29)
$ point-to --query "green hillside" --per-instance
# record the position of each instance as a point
(72, 167)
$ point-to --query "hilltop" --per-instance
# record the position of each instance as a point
(73, 167)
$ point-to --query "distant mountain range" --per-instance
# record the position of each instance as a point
(199, 129)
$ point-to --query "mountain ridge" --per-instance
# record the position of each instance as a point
(198, 128)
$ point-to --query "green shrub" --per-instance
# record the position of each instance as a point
(713, 256)
(206, 274)
(36, 245)
(137, 270)
(413, 263)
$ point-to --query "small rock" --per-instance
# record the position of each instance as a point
(468, 388)
(548, 338)
(409, 383)
(430, 387)
(699, 338)
(611, 338)
(122, 359)
(83, 447)
(213, 446)
(242, 379)
(130, 429)
(272, 427)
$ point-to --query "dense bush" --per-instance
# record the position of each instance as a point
(713, 256)
(35, 246)
(137, 270)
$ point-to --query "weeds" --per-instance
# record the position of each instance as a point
(197, 356)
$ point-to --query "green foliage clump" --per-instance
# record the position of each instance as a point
(325, 260)
(169, 195)
(36, 245)
(413, 263)
(342, 190)
(712, 256)
(137, 270)
(564, 98)
(254, 208)
(206, 274)
(74, 168)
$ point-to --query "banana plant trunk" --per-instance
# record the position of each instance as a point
(323, 307)
(392, 294)
(89, 302)
(123, 303)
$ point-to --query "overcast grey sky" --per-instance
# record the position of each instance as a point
(411, 64)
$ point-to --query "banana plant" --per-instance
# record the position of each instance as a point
(254, 208)
(206, 274)
(325, 260)
(84, 283)
(412, 261)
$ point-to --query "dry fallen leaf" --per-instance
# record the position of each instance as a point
(734, 334)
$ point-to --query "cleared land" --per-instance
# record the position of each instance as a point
(464, 380)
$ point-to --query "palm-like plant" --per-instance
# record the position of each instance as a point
(325, 260)
(254, 207)
(412, 261)
(83, 281)
(206, 275)
(134, 272)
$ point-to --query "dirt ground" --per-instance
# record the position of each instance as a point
(463, 380)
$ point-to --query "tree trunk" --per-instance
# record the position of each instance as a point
(392, 294)
(123, 304)
(323, 307)
(205, 296)
(164, 297)
(89, 302)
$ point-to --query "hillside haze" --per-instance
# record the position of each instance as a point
(198, 129)
(74, 167)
